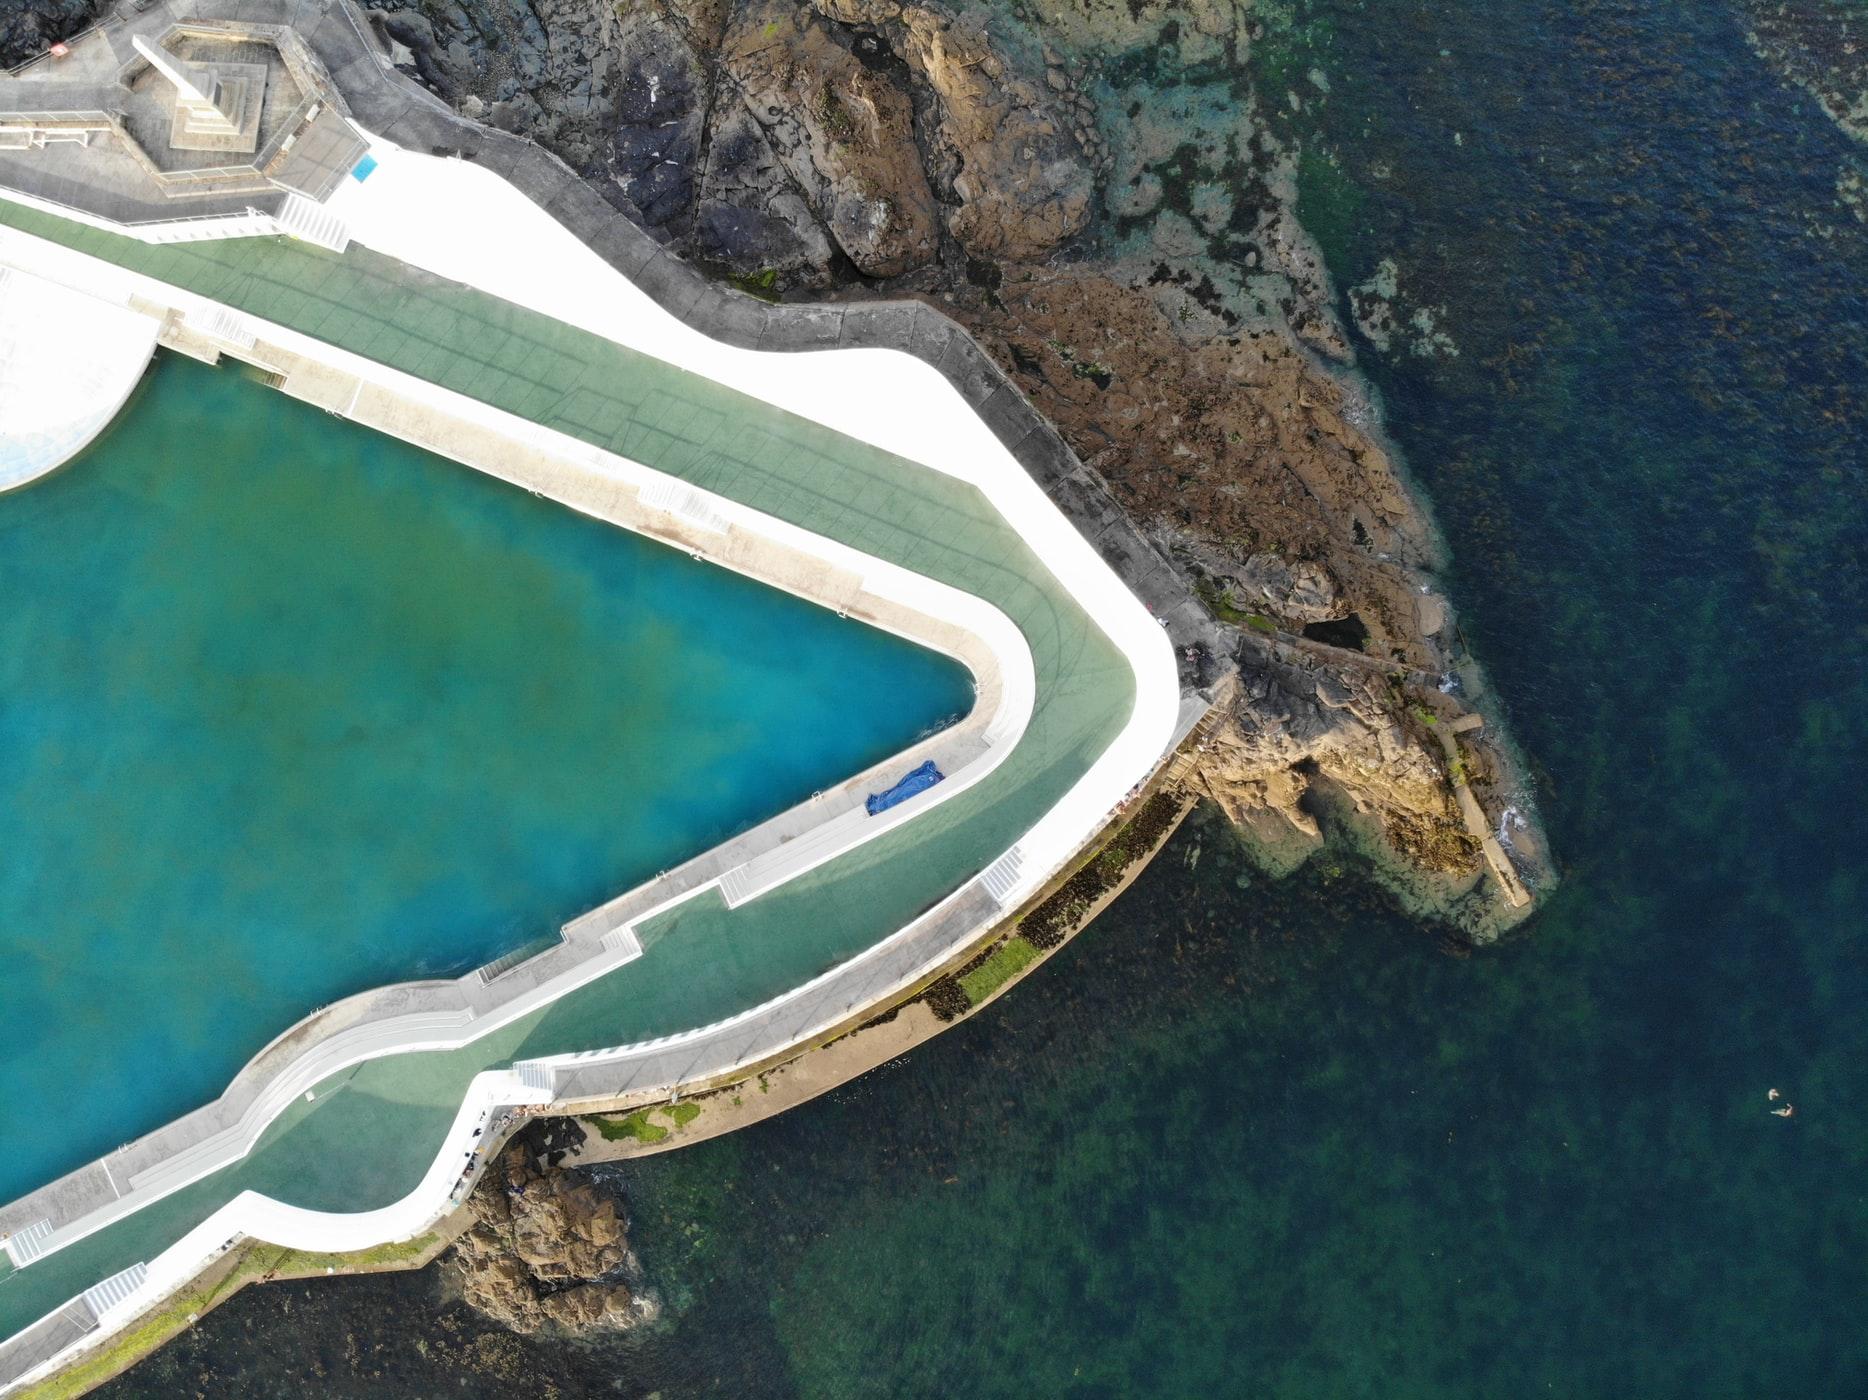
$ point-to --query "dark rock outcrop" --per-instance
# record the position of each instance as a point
(30, 29)
(549, 1249)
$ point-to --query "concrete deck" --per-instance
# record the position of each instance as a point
(68, 363)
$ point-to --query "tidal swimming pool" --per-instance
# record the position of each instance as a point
(289, 709)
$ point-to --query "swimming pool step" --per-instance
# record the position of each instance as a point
(1001, 877)
(537, 1076)
(772, 868)
(116, 1290)
(308, 220)
(623, 940)
(28, 1243)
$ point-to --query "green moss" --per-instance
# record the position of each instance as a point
(1217, 602)
(635, 1125)
(762, 284)
(682, 1114)
(1007, 961)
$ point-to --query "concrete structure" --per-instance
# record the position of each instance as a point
(217, 105)
(858, 476)
(68, 362)
(179, 130)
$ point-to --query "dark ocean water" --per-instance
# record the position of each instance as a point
(1250, 1138)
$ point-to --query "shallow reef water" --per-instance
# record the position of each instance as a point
(1266, 1138)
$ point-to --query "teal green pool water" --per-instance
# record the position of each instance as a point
(289, 709)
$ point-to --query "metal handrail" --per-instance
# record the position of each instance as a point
(83, 214)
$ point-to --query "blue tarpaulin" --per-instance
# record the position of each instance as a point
(920, 780)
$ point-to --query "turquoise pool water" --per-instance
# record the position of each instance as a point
(289, 709)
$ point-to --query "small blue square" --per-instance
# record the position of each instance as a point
(361, 170)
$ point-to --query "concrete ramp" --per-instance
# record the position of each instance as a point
(68, 362)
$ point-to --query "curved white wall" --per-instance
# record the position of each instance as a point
(68, 362)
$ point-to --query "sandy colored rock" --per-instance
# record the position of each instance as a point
(842, 131)
(1019, 179)
(1293, 725)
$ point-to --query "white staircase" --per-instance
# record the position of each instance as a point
(537, 1076)
(681, 501)
(27, 1244)
(736, 887)
(116, 1290)
(1002, 875)
(306, 219)
(218, 323)
(623, 940)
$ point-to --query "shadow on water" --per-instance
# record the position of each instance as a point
(1261, 1139)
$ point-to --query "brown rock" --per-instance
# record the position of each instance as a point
(859, 11)
(1239, 444)
(1019, 179)
(1295, 724)
(548, 1249)
(843, 132)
